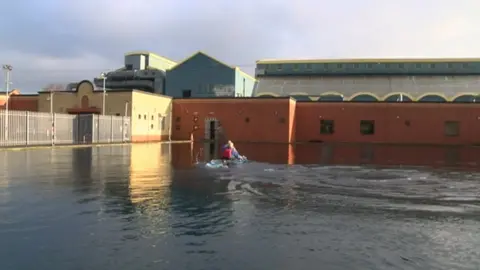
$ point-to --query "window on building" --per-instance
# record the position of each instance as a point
(356, 65)
(369, 66)
(152, 117)
(308, 66)
(432, 65)
(187, 93)
(327, 126)
(129, 67)
(339, 66)
(295, 66)
(367, 127)
(452, 128)
(279, 67)
(387, 65)
(449, 65)
(144, 117)
(139, 116)
(401, 66)
(465, 65)
(418, 66)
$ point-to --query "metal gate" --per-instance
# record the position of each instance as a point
(85, 128)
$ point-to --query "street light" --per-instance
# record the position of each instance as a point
(7, 69)
(52, 117)
(103, 75)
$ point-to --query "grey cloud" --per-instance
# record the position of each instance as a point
(59, 41)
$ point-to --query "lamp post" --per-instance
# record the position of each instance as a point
(52, 117)
(104, 77)
(7, 69)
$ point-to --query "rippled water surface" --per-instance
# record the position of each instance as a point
(128, 207)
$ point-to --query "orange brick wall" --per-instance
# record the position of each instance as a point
(252, 120)
(406, 123)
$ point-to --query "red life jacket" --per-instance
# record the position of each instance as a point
(227, 153)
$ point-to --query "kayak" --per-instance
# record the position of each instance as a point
(218, 163)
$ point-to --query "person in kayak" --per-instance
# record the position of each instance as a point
(229, 152)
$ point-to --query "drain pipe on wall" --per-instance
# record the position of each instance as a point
(171, 122)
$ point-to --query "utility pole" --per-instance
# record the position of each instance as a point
(53, 117)
(104, 77)
(7, 69)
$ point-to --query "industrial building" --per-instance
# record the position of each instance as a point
(143, 70)
(150, 113)
(18, 101)
(201, 75)
(286, 120)
(390, 80)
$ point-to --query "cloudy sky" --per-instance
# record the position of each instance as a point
(57, 41)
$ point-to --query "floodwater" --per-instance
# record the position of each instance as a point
(305, 207)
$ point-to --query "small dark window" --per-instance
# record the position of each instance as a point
(145, 117)
(177, 127)
(151, 126)
(327, 127)
(401, 66)
(129, 67)
(308, 66)
(152, 117)
(247, 119)
(295, 66)
(178, 119)
(186, 93)
(452, 128)
(282, 120)
(117, 114)
(139, 116)
(369, 65)
(367, 127)
(407, 123)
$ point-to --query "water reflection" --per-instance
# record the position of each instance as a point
(150, 206)
(187, 155)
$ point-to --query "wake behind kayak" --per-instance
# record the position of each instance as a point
(218, 163)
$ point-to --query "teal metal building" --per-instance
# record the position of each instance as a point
(201, 75)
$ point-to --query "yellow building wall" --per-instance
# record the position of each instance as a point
(151, 117)
(115, 101)
(61, 102)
